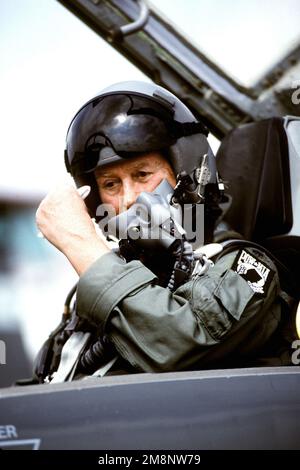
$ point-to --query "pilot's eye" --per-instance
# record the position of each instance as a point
(110, 184)
(143, 175)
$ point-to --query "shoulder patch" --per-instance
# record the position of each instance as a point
(257, 274)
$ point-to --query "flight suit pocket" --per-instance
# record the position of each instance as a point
(234, 293)
(219, 306)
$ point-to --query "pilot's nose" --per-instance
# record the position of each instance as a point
(129, 195)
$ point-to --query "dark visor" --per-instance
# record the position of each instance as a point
(119, 126)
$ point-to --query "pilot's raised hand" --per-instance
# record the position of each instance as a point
(63, 219)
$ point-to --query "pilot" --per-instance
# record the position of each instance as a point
(160, 302)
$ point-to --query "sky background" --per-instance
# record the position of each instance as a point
(51, 63)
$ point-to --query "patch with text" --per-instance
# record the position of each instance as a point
(257, 274)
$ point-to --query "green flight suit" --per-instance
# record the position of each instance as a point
(210, 318)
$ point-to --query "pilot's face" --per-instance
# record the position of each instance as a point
(120, 184)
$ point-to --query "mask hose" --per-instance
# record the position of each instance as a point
(183, 265)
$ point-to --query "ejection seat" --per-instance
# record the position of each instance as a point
(260, 165)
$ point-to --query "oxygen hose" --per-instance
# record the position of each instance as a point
(183, 265)
(99, 352)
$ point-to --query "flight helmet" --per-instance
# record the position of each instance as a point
(131, 118)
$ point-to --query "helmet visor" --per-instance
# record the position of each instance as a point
(114, 127)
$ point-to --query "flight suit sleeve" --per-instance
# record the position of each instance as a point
(156, 330)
